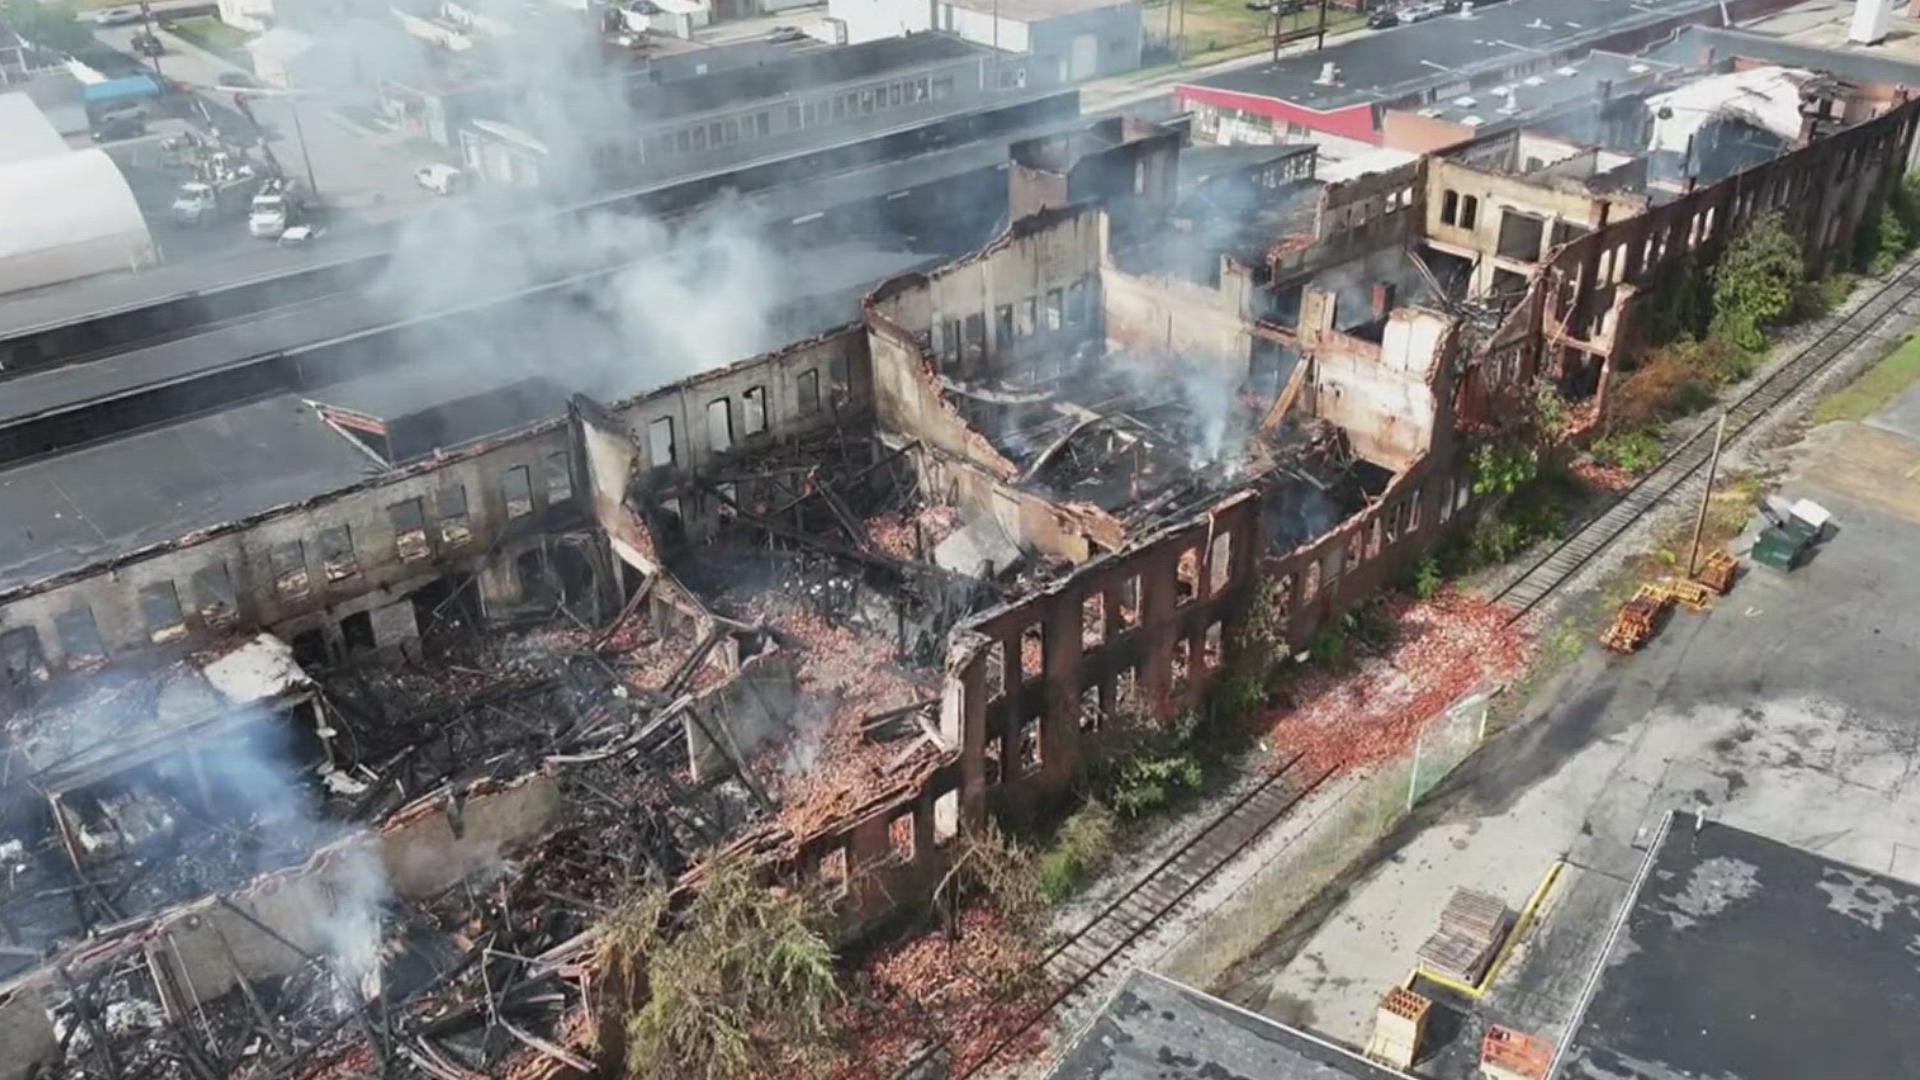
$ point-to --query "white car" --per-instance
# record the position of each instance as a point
(121, 16)
(444, 179)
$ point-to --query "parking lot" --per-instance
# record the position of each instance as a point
(1787, 711)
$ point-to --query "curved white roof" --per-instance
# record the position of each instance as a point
(25, 131)
(67, 216)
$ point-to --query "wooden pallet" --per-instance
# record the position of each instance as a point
(1637, 619)
(1718, 572)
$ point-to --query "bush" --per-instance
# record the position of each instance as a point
(1503, 468)
(1635, 451)
(1756, 282)
(1671, 381)
(1151, 782)
(1329, 645)
(1427, 579)
(1079, 851)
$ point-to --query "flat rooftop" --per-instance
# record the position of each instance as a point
(98, 502)
(798, 72)
(1895, 61)
(1744, 958)
(1573, 82)
(1157, 1029)
(1388, 65)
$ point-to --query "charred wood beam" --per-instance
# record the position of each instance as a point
(626, 612)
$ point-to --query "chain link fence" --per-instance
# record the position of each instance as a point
(1444, 742)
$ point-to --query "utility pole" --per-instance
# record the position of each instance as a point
(313, 189)
(146, 27)
(1706, 493)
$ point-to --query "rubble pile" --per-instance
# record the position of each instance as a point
(945, 986)
(846, 676)
(912, 534)
(1440, 651)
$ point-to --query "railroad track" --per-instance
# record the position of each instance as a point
(1685, 462)
(1112, 933)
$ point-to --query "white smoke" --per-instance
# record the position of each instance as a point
(353, 928)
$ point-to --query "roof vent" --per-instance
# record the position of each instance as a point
(1329, 74)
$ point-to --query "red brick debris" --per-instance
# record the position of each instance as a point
(1440, 651)
(931, 988)
(847, 674)
(893, 533)
(1598, 477)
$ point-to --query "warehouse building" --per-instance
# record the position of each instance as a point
(64, 213)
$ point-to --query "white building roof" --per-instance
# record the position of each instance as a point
(66, 216)
(25, 131)
(1766, 97)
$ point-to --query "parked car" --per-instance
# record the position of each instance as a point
(1384, 19)
(1414, 13)
(148, 45)
(236, 80)
(121, 16)
(123, 125)
(781, 34)
(443, 179)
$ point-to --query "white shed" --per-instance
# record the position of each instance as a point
(68, 215)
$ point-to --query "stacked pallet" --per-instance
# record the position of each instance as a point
(1506, 1054)
(1472, 928)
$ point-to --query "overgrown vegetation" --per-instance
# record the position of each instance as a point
(746, 978)
(1635, 451)
(1080, 850)
(1708, 321)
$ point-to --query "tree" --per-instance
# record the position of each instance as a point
(747, 978)
(1756, 281)
(46, 26)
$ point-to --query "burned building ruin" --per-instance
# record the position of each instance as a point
(355, 776)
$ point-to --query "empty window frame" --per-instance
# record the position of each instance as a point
(21, 661)
(559, 478)
(160, 609)
(214, 597)
(1450, 208)
(807, 392)
(1220, 563)
(79, 636)
(1003, 322)
(1469, 211)
(289, 561)
(517, 487)
(409, 520)
(720, 425)
(337, 560)
(1076, 303)
(1055, 314)
(1023, 314)
(660, 442)
(753, 410)
(451, 506)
